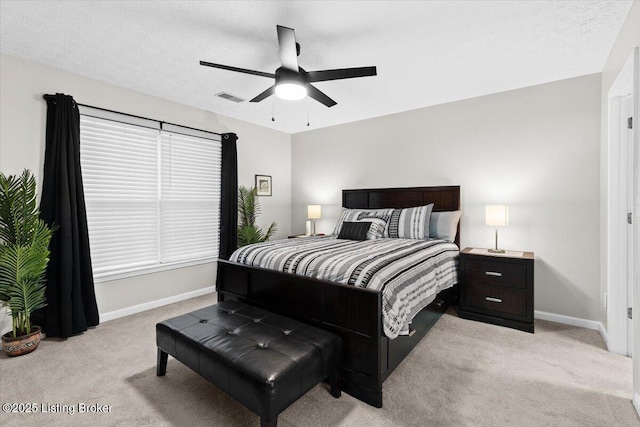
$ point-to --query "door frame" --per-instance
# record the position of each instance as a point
(618, 259)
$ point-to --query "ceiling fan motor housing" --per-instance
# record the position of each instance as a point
(284, 75)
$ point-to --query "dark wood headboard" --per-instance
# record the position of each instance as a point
(444, 198)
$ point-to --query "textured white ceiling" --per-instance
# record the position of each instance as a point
(427, 53)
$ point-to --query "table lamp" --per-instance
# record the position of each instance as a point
(314, 212)
(498, 216)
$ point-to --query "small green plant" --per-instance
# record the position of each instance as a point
(248, 210)
(24, 250)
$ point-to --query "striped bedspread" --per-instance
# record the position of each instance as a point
(409, 273)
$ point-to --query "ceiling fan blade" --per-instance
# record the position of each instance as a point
(267, 93)
(239, 70)
(342, 73)
(288, 51)
(316, 94)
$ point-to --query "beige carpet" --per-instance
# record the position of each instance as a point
(463, 373)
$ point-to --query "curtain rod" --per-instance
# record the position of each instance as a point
(53, 97)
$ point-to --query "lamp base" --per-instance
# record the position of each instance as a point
(496, 251)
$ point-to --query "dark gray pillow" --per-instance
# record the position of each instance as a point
(354, 230)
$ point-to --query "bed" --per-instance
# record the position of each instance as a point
(354, 313)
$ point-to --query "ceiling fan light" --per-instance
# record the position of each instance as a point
(291, 91)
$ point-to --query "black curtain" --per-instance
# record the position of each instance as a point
(229, 197)
(71, 301)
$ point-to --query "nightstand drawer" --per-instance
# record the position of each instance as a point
(496, 273)
(496, 299)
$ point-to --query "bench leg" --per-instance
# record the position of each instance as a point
(161, 367)
(267, 423)
(335, 385)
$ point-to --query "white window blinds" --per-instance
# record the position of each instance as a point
(189, 197)
(152, 196)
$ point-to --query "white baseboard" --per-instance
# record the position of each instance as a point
(603, 333)
(573, 321)
(116, 314)
(636, 402)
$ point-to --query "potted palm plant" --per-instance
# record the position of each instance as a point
(24, 255)
(248, 210)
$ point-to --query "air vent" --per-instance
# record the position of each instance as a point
(229, 97)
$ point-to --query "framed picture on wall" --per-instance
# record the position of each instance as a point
(263, 184)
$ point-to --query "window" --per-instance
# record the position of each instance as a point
(152, 192)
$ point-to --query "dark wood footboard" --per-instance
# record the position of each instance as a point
(354, 314)
(349, 312)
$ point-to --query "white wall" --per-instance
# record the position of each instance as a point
(536, 149)
(22, 138)
(627, 40)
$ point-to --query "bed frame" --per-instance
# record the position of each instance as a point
(354, 314)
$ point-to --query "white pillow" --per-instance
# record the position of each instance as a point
(444, 225)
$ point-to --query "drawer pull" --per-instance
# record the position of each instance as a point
(493, 273)
(492, 299)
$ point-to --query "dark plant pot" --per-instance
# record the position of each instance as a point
(23, 344)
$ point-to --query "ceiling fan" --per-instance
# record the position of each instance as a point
(292, 81)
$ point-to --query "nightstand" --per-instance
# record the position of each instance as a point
(497, 288)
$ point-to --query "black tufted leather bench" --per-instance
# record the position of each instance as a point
(263, 360)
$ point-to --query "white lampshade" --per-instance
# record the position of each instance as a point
(497, 215)
(314, 211)
(291, 91)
